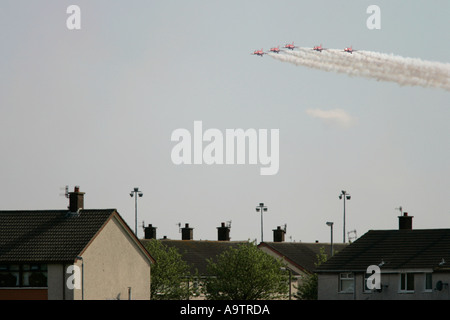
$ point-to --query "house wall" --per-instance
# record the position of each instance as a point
(114, 267)
(328, 287)
(57, 282)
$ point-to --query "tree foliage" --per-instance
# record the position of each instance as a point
(169, 274)
(245, 273)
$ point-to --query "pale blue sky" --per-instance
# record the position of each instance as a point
(96, 108)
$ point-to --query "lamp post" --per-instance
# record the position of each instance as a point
(136, 192)
(261, 208)
(346, 196)
(330, 224)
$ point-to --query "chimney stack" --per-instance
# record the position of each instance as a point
(76, 200)
(150, 232)
(278, 234)
(187, 233)
(405, 222)
(223, 233)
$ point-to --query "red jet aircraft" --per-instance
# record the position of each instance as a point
(276, 50)
(259, 52)
(349, 50)
(318, 48)
(290, 46)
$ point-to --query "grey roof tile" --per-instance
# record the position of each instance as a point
(302, 254)
(398, 249)
(196, 252)
(47, 235)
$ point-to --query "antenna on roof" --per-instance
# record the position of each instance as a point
(229, 224)
(351, 238)
(285, 227)
(400, 209)
(179, 227)
(66, 191)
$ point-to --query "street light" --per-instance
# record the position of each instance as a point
(135, 193)
(344, 195)
(330, 224)
(261, 208)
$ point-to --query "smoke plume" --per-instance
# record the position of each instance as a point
(379, 66)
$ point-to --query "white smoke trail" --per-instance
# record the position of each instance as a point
(379, 66)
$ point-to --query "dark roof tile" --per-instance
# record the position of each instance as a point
(398, 249)
(47, 235)
(197, 252)
(302, 254)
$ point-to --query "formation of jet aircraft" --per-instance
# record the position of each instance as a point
(291, 46)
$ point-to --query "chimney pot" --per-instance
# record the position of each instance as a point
(405, 222)
(223, 232)
(278, 234)
(76, 200)
(187, 233)
(150, 232)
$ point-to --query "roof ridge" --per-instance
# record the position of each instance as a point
(54, 210)
(48, 231)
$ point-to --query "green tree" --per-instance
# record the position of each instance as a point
(307, 290)
(170, 274)
(245, 273)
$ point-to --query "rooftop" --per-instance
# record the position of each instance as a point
(48, 235)
(196, 252)
(302, 254)
(394, 249)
